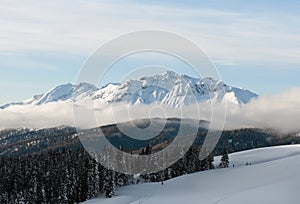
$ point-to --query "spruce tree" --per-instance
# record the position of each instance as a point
(224, 160)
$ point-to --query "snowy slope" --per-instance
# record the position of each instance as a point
(168, 88)
(273, 178)
(67, 92)
(26, 102)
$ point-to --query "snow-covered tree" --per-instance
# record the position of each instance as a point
(224, 160)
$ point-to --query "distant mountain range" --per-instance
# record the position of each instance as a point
(168, 88)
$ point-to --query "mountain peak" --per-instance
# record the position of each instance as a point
(170, 73)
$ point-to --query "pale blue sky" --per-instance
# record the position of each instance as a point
(254, 44)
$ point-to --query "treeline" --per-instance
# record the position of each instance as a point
(73, 176)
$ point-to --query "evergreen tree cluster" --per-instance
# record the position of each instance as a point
(73, 176)
(60, 176)
(189, 163)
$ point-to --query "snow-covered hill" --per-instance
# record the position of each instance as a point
(168, 88)
(273, 177)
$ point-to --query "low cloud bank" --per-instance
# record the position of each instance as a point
(280, 112)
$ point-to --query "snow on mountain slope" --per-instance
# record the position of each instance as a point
(26, 102)
(67, 92)
(173, 89)
(168, 88)
(262, 155)
(273, 178)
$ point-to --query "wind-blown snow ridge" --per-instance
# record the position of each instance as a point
(168, 88)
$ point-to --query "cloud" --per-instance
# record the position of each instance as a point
(81, 26)
(50, 115)
(279, 112)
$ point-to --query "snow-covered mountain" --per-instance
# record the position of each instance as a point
(168, 88)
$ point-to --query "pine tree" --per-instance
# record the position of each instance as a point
(224, 160)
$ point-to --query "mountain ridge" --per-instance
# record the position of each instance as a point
(168, 88)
